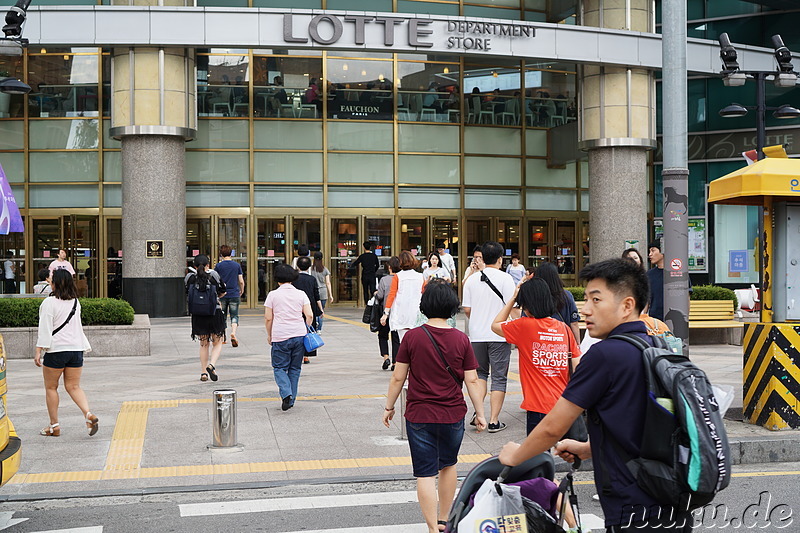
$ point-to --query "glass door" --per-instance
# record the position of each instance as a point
(445, 232)
(345, 249)
(80, 234)
(306, 231)
(271, 244)
(585, 242)
(233, 232)
(414, 237)
(114, 258)
(198, 239)
(565, 249)
(12, 247)
(46, 242)
(508, 235)
(379, 233)
(478, 232)
(539, 242)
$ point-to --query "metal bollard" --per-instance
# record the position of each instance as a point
(402, 421)
(224, 421)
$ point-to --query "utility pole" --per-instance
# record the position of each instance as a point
(675, 173)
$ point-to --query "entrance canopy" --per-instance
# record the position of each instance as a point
(778, 178)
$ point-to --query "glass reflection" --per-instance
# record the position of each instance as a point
(63, 85)
(359, 89)
(222, 85)
(428, 92)
(287, 87)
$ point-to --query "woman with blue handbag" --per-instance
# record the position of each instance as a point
(287, 317)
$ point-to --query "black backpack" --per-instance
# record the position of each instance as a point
(202, 299)
(684, 458)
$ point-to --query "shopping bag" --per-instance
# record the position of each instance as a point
(368, 311)
(497, 507)
(312, 340)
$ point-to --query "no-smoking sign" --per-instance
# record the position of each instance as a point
(675, 264)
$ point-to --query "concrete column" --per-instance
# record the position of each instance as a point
(617, 128)
(617, 200)
(153, 114)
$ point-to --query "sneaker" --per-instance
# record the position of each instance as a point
(286, 404)
(494, 428)
(472, 420)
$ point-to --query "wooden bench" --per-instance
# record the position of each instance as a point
(712, 320)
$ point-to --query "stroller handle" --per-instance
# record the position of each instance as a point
(504, 474)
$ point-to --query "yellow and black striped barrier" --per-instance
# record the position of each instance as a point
(771, 375)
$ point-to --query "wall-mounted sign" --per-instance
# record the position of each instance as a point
(155, 248)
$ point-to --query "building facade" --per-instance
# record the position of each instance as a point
(410, 124)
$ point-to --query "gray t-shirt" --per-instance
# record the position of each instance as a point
(320, 277)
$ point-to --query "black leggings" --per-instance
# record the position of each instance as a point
(369, 285)
(383, 342)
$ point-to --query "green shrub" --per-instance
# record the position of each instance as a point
(712, 292)
(24, 312)
(577, 292)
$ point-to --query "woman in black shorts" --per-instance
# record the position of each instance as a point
(209, 329)
(62, 342)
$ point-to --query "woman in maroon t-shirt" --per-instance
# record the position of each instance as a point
(435, 409)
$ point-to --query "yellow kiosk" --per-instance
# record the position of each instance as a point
(771, 372)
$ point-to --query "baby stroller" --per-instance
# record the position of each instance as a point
(546, 494)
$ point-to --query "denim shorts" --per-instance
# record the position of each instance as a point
(434, 446)
(230, 307)
(63, 359)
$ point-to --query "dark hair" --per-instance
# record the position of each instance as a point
(319, 266)
(43, 274)
(530, 270)
(284, 273)
(394, 264)
(200, 263)
(655, 244)
(627, 252)
(623, 277)
(368, 245)
(477, 249)
(548, 272)
(59, 250)
(440, 244)
(515, 255)
(439, 300)
(438, 258)
(492, 251)
(225, 250)
(407, 260)
(63, 285)
(302, 250)
(303, 263)
(535, 298)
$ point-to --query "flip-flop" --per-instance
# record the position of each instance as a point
(234, 342)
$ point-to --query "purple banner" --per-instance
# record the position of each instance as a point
(10, 219)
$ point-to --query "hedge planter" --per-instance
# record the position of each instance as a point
(106, 341)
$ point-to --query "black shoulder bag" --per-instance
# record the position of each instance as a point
(486, 279)
(441, 356)
(71, 314)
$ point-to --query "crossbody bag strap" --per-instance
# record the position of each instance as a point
(71, 314)
(441, 356)
(485, 278)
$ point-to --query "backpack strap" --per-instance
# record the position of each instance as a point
(632, 339)
(71, 314)
(441, 356)
(486, 279)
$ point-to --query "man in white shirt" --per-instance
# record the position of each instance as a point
(447, 260)
(481, 304)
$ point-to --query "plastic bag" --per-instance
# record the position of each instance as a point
(539, 520)
(724, 395)
(490, 505)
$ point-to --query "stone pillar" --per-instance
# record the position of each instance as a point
(617, 128)
(153, 114)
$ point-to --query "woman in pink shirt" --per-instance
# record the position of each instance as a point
(284, 311)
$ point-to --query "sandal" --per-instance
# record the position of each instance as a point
(203, 377)
(234, 342)
(53, 430)
(211, 372)
(442, 524)
(93, 423)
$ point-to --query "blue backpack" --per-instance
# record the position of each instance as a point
(202, 299)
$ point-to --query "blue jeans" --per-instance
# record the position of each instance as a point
(287, 360)
(232, 305)
(319, 318)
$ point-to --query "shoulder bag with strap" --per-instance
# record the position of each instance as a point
(441, 356)
(486, 279)
(71, 314)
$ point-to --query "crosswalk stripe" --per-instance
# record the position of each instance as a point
(92, 529)
(401, 528)
(289, 504)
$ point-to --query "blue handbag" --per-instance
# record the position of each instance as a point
(312, 340)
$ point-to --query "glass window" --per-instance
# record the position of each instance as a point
(287, 135)
(19, 195)
(288, 196)
(216, 134)
(433, 169)
(112, 166)
(428, 138)
(430, 8)
(537, 174)
(584, 200)
(428, 92)
(429, 198)
(106, 84)
(360, 197)
(288, 166)
(493, 92)
(364, 168)
(112, 196)
(360, 137)
(296, 4)
(361, 5)
(11, 105)
(493, 12)
(63, 134)
(536, 143)
(735, 228)
(108, 142)
(500, 170)
(63, 166)
(217, 196)
(12, 134)
(13, 166)
(551, 200)
(492, 199)
(217, 166)
(584, 170)
(492, 141)
(62, 196)
(360, 89)
(63, 84)
(222, 85)
(287, 87)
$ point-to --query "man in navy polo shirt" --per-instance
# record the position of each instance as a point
(231, 273)
(609, 379)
